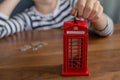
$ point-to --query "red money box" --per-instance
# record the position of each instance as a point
(75, 44)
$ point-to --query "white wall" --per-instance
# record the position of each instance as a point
(112, 9)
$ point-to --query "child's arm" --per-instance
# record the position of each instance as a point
(93, 11)
(7, 6)
(12, 25)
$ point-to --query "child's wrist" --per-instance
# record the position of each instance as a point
(101, 23)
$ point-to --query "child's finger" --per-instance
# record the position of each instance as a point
(88, 8)
(73, 12)
(94, 11)
(95, 18)
(80, 7)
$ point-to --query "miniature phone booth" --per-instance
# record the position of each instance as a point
(75, 46)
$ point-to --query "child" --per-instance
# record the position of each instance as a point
(47, 14)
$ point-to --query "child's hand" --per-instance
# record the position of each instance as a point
(89, 9)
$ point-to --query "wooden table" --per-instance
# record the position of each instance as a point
(46, 62)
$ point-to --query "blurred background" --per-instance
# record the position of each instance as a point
(111, 8)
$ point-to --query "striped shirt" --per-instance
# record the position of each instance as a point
(32, 19)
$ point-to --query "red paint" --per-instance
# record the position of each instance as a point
(75, 48)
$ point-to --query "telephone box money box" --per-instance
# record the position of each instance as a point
(75, 44)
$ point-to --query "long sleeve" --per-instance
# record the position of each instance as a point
(109, 29)
(12, 25)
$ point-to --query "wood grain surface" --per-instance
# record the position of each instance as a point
(46, 62)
